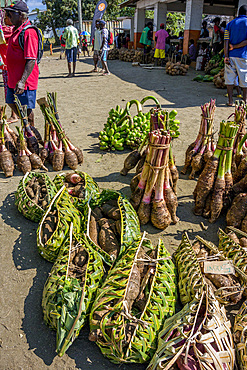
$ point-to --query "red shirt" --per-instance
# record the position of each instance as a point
(7, 31)
(16, 57)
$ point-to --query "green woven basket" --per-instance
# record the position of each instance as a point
(240, 336)
(234, 252)
(66, 213)
(25, 204)
(91, 192)
(67, 300)
(130, 225)
(199, 337)
(110, 317)
(190, 277)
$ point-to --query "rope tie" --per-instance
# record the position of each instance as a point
(159, 146)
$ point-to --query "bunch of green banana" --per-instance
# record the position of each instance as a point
(173, 124)
(137, 134)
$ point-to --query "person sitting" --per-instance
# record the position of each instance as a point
(204, 31)
(192, 50)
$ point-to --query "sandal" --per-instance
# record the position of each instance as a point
(12, 120)
(229, 104)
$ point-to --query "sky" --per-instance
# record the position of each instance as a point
(32, 4)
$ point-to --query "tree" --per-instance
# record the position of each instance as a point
(56, 14)
(175, 21)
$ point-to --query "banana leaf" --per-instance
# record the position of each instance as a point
(190, 277)
(24, 203)
(54, 226)
(197, 337)
(240, 336)
(70, 289)
(124, 332)
(130, 225)
(91, 190)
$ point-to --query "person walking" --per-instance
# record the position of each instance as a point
(71, 37)
(160, 38)
(104, 48)
(96, 46)
(22, 67)
(146, 40)
(84, 46)
(236, 55)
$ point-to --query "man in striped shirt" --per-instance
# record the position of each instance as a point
(235, 48)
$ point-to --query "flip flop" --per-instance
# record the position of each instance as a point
(229, 105)
(12, 120)
(94, 71)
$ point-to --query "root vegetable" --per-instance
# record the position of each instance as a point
(79, 155)
(207, 209)
(134, 182)
(49, 225)
(144, 212)
(196, 164)
(188, 157)
(172, 203)
(133, 288)
(7, 163)
(141, 162)
(71, 159)
(130, 162)
(244, 224)
(111, 212)
(238, 211)
(58, 158)
(160, 215)
(241, 186)
(107, 239)
(37, 162)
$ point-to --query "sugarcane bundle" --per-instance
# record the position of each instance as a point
(190, 279)
(34, 193)
(234, 252)
(138, 295)
(215, 182)
(80, 186)
(218, 272)
(240, 336)
(198, 337)
(112, 225)
(54, 225)
(70, 288)
(202, 149)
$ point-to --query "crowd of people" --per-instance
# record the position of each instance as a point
(22, 52)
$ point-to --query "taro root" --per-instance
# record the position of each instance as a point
(160, 216)
(130, 162)
(141, 162)
(49, 225)
(118, 227)
(172, 203)
(144, 212)
(7, 163)
(37, 134)
(37, 162)
(24, 164)
(107, 239)
(133, 288)
(134, 182)
(243, 242)
(241, 186)
(207, 209)
(136, 197)
(233, 236)
(73, 178)
(227, 281)
(238, 211)
(93, 230)
(217, 199)
(188, 157)
(97, 213)
(58, 158)
(71, 159)
(111, 212)
(79, 155)
(196, 164)
(244, 224)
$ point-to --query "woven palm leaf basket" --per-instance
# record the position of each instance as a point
(88, 189)
(196, 338)
(128, 224)
(240, 336)
(70, 288)
(138, 294)
(25, 197)
(54, 226)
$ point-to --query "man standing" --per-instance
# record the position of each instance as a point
(71, 37)
(236, 58)
(146, 39)
(96, 46)
(23, 70)
(104, 48)
(160, 38)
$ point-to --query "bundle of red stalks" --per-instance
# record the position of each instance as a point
(213, 190)
(202, 149)
(152, 194)
(57, 148)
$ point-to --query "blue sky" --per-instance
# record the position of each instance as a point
(32, 4)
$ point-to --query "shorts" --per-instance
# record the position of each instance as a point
(71, 55)
(103, 56)
(147, 49)
(159, 53)
(28, 98)
(96, 54)
(84, 48)
(238, 67)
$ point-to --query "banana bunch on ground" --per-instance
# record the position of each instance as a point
(122, 130)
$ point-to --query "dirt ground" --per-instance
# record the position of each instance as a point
(84, 102)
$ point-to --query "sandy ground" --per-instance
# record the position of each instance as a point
(84, 102)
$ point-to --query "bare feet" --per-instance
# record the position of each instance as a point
(69, 75)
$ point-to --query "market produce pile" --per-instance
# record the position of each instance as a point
(154, 186)
(177, 68)
(122, 130)
(214, 70)
(129, 55)
(24, 149)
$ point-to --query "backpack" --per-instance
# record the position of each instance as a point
(40, 40)
(110, 37)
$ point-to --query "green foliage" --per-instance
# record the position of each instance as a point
(175, 21)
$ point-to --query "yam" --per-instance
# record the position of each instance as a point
(107, 239)
(93, 229)
(111, 212)
(238, 211)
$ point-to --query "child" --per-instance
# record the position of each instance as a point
(203, 57)
(84, 45)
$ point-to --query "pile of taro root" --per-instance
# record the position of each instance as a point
(105, 227)
(37, 191)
